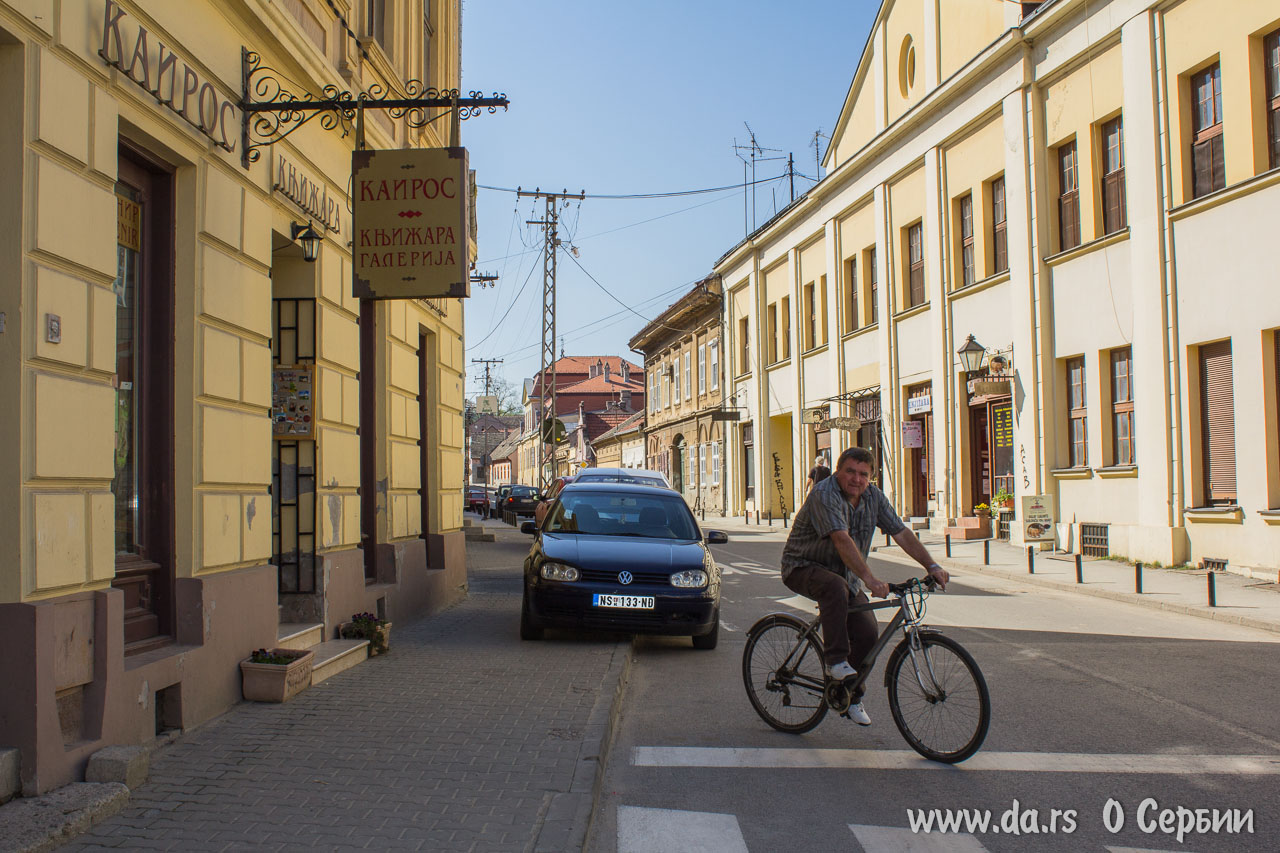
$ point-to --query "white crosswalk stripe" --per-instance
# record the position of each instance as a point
(1021, 762)
(642, 830)
(893, 839)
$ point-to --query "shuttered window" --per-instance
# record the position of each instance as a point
(744, 345)
(1077, 415)
(1114, 214)
(999, 217)
(1271, 63)
(851, 295)
(1217, 424)
(1122, 406)
(1207, 167)
(810, 318)
(915, 270)
(967, 272)
(1068, 198)
(784, 312)
(875, 279)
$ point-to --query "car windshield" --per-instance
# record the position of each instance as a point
(630, 479)
(523, 491)
(656, 516)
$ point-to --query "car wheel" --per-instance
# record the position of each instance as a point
(527, 629)
(708, 641)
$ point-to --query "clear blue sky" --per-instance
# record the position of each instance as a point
(625, 98)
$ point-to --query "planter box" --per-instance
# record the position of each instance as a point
(380, 644)
(271, 682)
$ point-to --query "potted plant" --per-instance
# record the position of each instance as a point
(366, 626)
(276, 675)
(1003, 498)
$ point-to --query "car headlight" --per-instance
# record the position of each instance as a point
(692, 579)
(559, 572)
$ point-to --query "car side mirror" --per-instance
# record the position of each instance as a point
(529, 527)
(716, 537)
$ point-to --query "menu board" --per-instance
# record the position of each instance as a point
(1037, 518)
(1002, 439)
(912, 434)
(292, 403)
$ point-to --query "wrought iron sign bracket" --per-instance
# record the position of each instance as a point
(279, 112)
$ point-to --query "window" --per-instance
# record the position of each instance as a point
(702, 369)
(968, 275)
(773, 332)
(744, 345)
(714, 349)
(1077, 424)
(675, 378)
(1114, 214)
(873, 275)
(653, 392)
(715, 463)
(1068, 198)
(688, 374)
(1208, 172)
(1271, 65)
(999, 241)
(376, 22)
(822, 310)
(810, 318)
(1122, 406)
(915, 268)
(851, 295)
(1217, 424)
(428, 33)
(703, 474)
(785, 310)
(748, 462)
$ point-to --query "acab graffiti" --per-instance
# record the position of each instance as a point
(777, 480)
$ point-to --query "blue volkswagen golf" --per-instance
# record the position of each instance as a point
(619, 557)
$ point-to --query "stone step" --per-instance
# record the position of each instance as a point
(968, 521)
(335, 656)
(10, 773)
(299, 635)
(918, 523)
(480, 536)
(968, 533)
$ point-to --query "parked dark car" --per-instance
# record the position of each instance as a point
(635, 476)
(521, 499)
(478, 501)
(621, 557)
(499, 498)
(544, 504)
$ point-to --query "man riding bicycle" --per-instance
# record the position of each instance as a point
(829, 542)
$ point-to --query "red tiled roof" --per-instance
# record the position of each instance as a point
(633, 421)
(571, 369)
(598, 423)
(600, 385)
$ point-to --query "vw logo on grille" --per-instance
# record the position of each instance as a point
(625, 578)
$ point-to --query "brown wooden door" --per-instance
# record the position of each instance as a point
(980, 456)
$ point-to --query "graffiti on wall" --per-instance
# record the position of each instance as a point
(777, 479)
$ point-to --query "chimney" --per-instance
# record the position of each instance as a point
(606, 371)
(626, 371)
(582, 412)
(591, 370)
(626, 395)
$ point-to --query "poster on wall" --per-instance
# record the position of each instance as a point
(410, 222)
(1037, 518)
(912, 434)
(292, 403)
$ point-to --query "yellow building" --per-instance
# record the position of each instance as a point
(159, 524)
(1079, 193)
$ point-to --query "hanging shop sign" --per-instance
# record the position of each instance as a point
(726, 415)
(815, 416)
(920, 404)
(311, 196)
(410, 221)
(174, 83)
(990, 386)
(851, 424)
(1037, 518)
(912, 434)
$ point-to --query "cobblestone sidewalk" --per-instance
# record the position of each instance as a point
(462, 738)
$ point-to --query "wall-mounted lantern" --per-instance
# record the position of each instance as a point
(310, 240)
(971, 355)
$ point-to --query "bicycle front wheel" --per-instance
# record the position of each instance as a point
(783, 673)
(939, 698)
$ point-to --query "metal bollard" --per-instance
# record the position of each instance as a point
(1137, 578)
(1079, 569)
(784, 520)
(771, 518)
(986, 552)
(886, 540)
(1213, 592)
(1031, 561)
(948, 544)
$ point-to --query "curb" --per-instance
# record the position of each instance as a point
(568, 818)
(37, 824)
(1202, 611)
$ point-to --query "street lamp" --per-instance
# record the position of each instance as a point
(310, 240)
(971, 355)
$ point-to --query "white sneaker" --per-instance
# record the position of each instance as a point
(859, 715)
(841, 671)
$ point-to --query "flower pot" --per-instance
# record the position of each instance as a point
(274, 682)
(379, 642)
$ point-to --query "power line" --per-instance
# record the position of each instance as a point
(514, 300)
(628, 196)
(620, 302)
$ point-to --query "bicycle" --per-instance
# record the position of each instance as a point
(937, 694)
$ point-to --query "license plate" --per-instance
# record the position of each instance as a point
(626, 602)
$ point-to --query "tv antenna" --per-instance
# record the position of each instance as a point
(755, 154)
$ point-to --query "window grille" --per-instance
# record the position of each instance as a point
(1094, 540)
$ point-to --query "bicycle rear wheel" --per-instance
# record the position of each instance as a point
(784, 675)
(939, 699)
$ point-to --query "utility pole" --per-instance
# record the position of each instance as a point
(486, 362)
(791, 173)
(547, 370)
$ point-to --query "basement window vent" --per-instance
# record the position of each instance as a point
(1094, 540)
(1213, 564)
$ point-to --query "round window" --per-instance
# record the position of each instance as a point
(907, 66)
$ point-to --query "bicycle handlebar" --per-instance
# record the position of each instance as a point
(927, 581)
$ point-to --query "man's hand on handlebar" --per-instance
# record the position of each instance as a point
(877, 587)
(939, 574)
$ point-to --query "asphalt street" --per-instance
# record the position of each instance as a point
(1106, 712)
